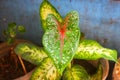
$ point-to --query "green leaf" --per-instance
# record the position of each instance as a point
(10, 40)
(47, 8)
(92, 50)
(61, 40)
(21, 29)
(76, 72)
(5, 33)
(11, 29)
(45, 71)
(31, 52)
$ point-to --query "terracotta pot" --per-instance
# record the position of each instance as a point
(105, 67)
(116, 71)
(25, 77)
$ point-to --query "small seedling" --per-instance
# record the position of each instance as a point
(11, 32)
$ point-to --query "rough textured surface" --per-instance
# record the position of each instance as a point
(99, 19)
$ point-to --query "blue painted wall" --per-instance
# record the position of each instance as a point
(99, 19)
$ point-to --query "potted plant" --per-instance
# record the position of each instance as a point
(62, 50)
(10, 63)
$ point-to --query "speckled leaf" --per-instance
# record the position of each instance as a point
(61, 40)
(76, 72)
(11, 30)
(47, 8)
(45, 71)
(92, 50)
(30, 52)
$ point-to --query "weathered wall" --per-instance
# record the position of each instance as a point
(99, 19)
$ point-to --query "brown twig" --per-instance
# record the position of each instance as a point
(23, 66)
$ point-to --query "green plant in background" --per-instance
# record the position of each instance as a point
(11, 32)
(10, 36)
(61, 45)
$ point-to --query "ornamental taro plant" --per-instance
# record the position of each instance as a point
(62, 39)
(61, 44)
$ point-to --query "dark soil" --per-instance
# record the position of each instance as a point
(10, 67)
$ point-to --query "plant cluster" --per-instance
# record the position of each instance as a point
(61, 45)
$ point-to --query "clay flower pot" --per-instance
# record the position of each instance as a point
(116, 71)
(105, 66)
(25, 77)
